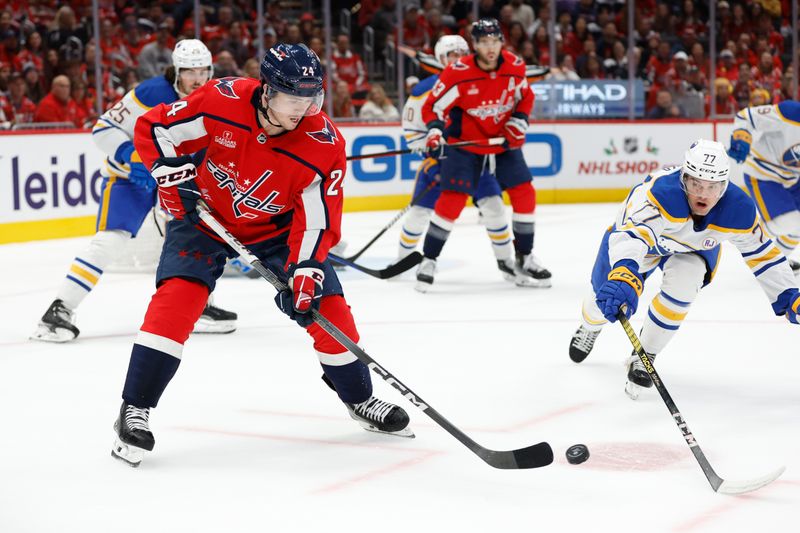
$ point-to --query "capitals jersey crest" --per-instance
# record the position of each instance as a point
(225, 87)
(327, 135)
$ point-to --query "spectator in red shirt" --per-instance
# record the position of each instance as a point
(9, 46)
(785, 92)
(32, 52)
(434, 26)
(58, 106)
(767, 30)
(739, 23)
(573, 40)
(307, 29)
(541, 43)
(765, 74)
(414, 32)
(348, 66)
(516, 36)
(744, 50)
(17, 107)
(33, 82)
(659, 64)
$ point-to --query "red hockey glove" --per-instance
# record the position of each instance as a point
(434, 142)
(515, 130)
(305, 280)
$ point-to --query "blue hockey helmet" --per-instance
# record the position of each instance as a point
(485, 28)
(294, 70)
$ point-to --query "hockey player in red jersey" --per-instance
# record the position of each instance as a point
(483, 95)
(270, 165)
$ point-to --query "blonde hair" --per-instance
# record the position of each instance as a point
(760, 92)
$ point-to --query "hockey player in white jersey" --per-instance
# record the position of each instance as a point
(766, 139)
(488, 197)
(676, 220)
(128, 193)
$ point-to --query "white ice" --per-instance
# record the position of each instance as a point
(248, 438)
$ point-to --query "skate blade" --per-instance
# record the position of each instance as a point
(48, 334)
(131, 455)
(633, 390)
(422, 286)
(405, 432)
(529, 282)
(204, 325)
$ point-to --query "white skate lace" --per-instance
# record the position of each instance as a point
(136, 418)
(373, 409)
(584, 339)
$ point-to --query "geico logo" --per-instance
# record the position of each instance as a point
(386, 168)
(32, 190)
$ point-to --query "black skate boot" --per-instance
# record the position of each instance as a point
(133, 434)
(638, 378)
(215, 320)
(56, 324)
(582, 343)
(795, 266)
(381, 417)
(530, 266)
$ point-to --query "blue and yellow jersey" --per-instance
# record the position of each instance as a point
(775, 147)
(113, 131)
(414, 128)
(655, 221)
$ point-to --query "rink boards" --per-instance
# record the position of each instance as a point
(50, 182)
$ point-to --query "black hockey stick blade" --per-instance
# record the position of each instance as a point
(534, 456)
(406, 263)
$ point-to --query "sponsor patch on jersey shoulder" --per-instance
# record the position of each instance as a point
(327, 135)
(458, 65)
(225, 87)
(709, 243)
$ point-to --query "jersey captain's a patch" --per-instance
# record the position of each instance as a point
(327, 135)
(225, 87)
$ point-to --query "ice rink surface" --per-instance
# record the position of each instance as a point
(249, 439)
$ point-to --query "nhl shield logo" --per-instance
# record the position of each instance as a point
(709, 243)
(631, 145)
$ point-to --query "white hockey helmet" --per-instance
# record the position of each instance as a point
(447, 44)
(191, 53)
(708, 161)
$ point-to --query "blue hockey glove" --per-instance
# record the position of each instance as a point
(740, 145)
(624, 286)
(305, 281)
(788, 304)
(140, 177)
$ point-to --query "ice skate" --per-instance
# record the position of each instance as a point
(638, 378)
(531, 272)
(582, 343)
(133, 434)
(425, 273)
(56, 325)
(795, 266)
(381, 417)
(215, 320)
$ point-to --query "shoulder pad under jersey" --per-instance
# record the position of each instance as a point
(667, 194)
(154, 91)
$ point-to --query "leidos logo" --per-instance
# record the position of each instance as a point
(32, 190)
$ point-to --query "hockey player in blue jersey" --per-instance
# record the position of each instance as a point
(128, 193)
(488, 196)
(676, 220)
(766, 140)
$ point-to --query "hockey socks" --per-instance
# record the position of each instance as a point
(523, 202)
(413, 228)
(87, 268)
(494, 218)
(158, 348)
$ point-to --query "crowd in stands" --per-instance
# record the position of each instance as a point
(47, 49)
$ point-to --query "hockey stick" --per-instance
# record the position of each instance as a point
(406, 263)
(493, 141)
(530, 457)
(717, 483)
(392, 222)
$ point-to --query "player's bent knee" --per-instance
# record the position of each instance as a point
(684, 275)
(174, 308)
(450, 204)
(335, 309)
(523, 198)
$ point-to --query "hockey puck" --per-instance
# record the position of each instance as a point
(577, 454)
